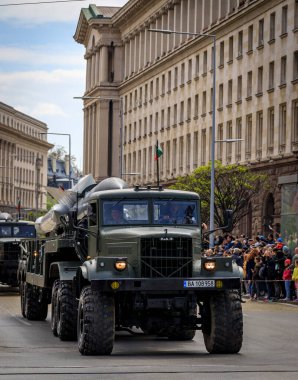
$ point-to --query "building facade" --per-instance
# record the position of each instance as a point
(161, 85)
(23, 162)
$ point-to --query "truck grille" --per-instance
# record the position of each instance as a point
(166, 257)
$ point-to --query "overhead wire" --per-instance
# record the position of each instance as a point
(39, 2)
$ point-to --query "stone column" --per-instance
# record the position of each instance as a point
(170, 37)
(198, 15)
(118, 63)
(103, 76)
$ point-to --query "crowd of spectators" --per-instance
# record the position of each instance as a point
(270, 269)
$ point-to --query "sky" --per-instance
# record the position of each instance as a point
(42, 67)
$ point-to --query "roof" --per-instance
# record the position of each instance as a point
(93, 12)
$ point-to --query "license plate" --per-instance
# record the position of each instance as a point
(198, 283)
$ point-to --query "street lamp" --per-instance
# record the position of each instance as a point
(212, 186)
(69, 151)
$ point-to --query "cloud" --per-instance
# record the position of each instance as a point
(40, 13)
(39, 56)
(44, 109)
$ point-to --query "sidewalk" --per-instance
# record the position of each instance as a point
(246, 297)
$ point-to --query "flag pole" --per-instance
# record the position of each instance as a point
(157, 163)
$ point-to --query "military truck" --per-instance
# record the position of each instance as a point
(132, 259)
(11, 232)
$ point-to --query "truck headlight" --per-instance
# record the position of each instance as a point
(209, 265)
(120, 265)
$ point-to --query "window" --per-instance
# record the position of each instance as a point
(169, 81)
(296, 15)
(157, 87)
(272, 26)
(220, 144)
(259, 134)
(188, 150)
(240, 43)
(205, 62)
(284, 20)
(229, 145)
(204, 103)
(162, 121)
(282, 127)
(156, 122)
(250, 37)
(174, 156)
(249, 84)
(188, 117)
(231, 42)
(230, 90)
(176, 78)
(220, 96)
(203, 147)
(197, 65)
(211, 100)
(189, 70)
(261, 32)
(260, 81)
(283, 70)
(221, 53)
(125, 212)
(248, 135)
(271, 75)
(169, 117)
(295, 122)
(238, 136)
(181, 112)
(151, 90)
(163, 81)
(195, 149)
(196, 111)
(181, 153)
(182, 74)
(168, 156)
(175, 114)
(239, 88)
(270, 132)
(295, 66)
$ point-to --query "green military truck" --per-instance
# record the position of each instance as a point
(133, 260)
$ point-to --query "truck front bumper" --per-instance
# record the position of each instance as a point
(165, 284)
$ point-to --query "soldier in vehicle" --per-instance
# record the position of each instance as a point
(116, 216)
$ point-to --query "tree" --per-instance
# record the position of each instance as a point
(235, 187)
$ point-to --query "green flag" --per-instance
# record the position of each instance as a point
(158, 152)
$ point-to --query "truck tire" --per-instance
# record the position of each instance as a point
(96, 322)
(66, 312)
(181, 334)
(222, 324)
(35, 310)
(55, 287)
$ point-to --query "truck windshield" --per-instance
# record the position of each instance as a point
(123, 212)
(20, 230)
(175, 212)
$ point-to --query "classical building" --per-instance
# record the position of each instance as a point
(23, 162)
(143, 87)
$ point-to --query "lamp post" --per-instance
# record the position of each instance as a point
(69, 151)
(121, 115)
(212, 185)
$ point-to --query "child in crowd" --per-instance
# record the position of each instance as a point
(287, 277)
(295, 278)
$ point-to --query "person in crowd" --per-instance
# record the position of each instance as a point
(287, 277)
(279, 268)
(250, 264)
(255, 293)
(237, 257)
(295, 278)
(270, 239)
(269, 275)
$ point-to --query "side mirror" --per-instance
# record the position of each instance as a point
(228, 221)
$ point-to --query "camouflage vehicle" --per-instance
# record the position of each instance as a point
(133, 260)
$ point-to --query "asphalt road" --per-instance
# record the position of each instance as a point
(28, 350)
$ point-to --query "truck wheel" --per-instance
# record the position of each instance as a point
(54, 307)
(96, 323)
(66, 312)
(223, 323)
(23, 298)
(181, 334)
(34, 310)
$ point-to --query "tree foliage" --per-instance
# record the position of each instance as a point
(235, 187)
